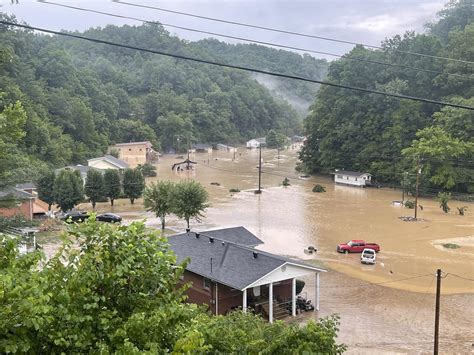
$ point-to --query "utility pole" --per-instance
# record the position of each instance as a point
(259, 191)
(438, 293)
(418, 172)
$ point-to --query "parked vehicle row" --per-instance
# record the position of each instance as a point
(81, 216)
(368, 250)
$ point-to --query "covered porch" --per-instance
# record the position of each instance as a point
(274, 296)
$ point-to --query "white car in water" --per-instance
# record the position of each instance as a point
(368, 256)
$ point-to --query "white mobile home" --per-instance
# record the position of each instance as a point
(353, 178)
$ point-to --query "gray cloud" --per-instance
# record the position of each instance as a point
(368, 21)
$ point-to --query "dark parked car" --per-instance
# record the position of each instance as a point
(75, 216)
(109, 217)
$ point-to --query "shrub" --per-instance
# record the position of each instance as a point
(462, 210)
(319, 188)
(286, 182)
(215, 184)
(451, 246)
(234, 190)
(410, 204)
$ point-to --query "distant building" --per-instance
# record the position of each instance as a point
(353, 178)
(83, 169)
(107, 162)
(297, 139)
(226, 148)
(135, 153)
(22, 203)
(226, 272)
(255, 143)
(202, 148)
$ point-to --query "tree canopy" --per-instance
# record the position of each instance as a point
(361, 131)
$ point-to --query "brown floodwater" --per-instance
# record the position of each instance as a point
(289, 219)
(394, 317)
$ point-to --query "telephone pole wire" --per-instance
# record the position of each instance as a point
(438, 293)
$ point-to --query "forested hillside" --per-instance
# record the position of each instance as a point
(79, 96)
(387, 136)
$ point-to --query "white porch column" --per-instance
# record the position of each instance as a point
(270, 302)
(293, 298)
(217, 299)
(317, 291)
(244, 301)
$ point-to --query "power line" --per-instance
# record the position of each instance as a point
(290, 32)
(461, 277)
(378, 283)
(193, 59)
(256, 41)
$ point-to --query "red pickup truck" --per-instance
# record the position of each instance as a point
(356, 246)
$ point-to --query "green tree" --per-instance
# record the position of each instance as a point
(147, 169)
(443, 199)
(112, 185)
(68, 189)
(94, 189)
(441, 153)
(275, 139)
(12, 121)
(190, 200)
(158, 198)
(133, 184)
(45, 188)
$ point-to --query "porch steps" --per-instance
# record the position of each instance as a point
(280, 310)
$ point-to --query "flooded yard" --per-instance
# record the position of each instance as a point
(395, 316)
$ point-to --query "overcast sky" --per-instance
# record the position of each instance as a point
(363, 21)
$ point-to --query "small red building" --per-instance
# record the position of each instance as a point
(19, 203)
(227, 272)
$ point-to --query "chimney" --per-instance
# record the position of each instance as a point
(255, 255)
(188, 230)
(197, 235)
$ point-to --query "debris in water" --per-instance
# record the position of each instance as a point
(408, 219)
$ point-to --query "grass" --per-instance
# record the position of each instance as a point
(450, 246)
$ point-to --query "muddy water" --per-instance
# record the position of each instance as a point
(289, 219)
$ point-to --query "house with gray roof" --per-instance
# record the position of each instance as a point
(256, 143)
(227, 272)
(353, 178)
(108, 162)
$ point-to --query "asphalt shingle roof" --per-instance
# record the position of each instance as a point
(15, 193)
(218, 256)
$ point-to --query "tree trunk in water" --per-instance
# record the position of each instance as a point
(112, 202)
(132, 200)
(163, 223)
(93, 205)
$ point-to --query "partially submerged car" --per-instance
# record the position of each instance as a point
(75, 216)
(109, 217)
(368, 256)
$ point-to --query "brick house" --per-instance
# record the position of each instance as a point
(21, 203)
(227, 272)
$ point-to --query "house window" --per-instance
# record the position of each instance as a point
(206, 283)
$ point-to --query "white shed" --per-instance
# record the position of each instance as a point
(353, 178)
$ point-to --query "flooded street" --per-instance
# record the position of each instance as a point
(396, 316)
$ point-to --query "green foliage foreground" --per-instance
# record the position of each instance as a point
(115, 289)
